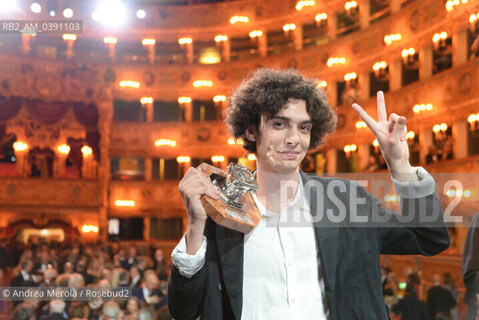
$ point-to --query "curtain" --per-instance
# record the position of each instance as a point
(87, 115)
(51, 112)
(9, 108)
(93, 140)
(47, 112)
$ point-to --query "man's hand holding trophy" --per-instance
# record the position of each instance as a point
(235, 208)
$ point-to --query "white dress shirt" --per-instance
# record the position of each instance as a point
(146, 294)
(26, 276)
(280, 273)
(280, 277)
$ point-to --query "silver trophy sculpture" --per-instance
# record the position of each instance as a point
(236, 208)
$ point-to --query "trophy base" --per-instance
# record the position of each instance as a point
(226, 216)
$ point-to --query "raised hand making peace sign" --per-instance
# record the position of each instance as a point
(391, 135)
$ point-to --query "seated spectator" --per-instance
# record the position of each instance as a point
(95, 308)
(132, 308)
(144, 263)
(164, 314)
(33, 304)
(49, 276)
(44, 260)
(78, 311)
(76, 281)
(97, 304)
(68, 267)
(135, 276)
(62, 280)
(81, 269)
(23, 313)
(57, 311)
(54, 256)
(144, 315)
(107, 274)
(74, 254)
(110, 310)
(24, 278)
(119, 278)
(116, 261)
(149, 292)
(131, 259)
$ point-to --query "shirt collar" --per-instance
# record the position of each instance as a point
(146, 292)
(26, 275)
(299, 201)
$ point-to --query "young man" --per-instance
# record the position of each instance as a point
(318, 270)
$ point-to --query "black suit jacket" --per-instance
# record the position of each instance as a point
(410, 308)
(125, 264)
(19, 281)
(136, 284)
(138, 292)
(349, 258)
(470, 261)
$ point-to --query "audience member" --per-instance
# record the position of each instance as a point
(439, 299)
(79, 262)
(132, 308)
(110, 310)
(410, 307)
(449, 284)
(57, 311)
(78, 311)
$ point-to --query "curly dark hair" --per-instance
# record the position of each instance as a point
(266, 92)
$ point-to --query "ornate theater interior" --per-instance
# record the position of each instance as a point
(98, 125)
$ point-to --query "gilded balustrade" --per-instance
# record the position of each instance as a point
(49, 194)
(150, 198)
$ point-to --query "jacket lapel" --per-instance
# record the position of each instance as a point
(230, 245)
(327, 235)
